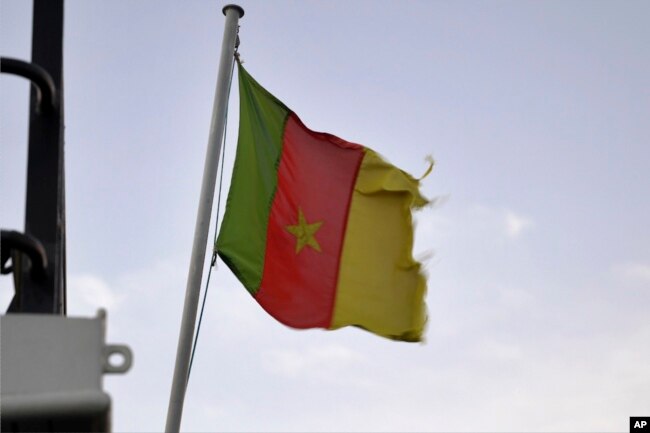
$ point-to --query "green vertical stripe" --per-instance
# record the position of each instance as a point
(242, 237)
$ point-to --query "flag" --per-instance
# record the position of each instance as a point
(319, 229)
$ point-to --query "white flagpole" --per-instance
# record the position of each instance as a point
(192, 291)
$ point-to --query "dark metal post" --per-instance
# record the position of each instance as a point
(45, 198)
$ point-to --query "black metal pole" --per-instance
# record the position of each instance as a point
(45, 198)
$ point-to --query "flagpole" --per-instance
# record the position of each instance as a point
(192, 291)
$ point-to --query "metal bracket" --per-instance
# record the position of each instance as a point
(117, 349)
(52, 368)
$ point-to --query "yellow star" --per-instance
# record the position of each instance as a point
(304, 233)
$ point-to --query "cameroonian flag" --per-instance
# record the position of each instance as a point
(319, 229)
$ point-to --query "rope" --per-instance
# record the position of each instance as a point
(213, 260)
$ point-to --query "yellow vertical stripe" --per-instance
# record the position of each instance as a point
(381, 287)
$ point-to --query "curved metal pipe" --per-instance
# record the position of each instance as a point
(13, 240)
(46, 90)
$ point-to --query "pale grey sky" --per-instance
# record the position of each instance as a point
(538, 259)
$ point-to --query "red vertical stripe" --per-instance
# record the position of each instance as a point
(316, 174)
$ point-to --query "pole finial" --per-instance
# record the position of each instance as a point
(238, 8)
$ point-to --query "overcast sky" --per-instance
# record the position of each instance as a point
(538, 257)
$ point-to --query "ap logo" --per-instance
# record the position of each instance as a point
(640, 424)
